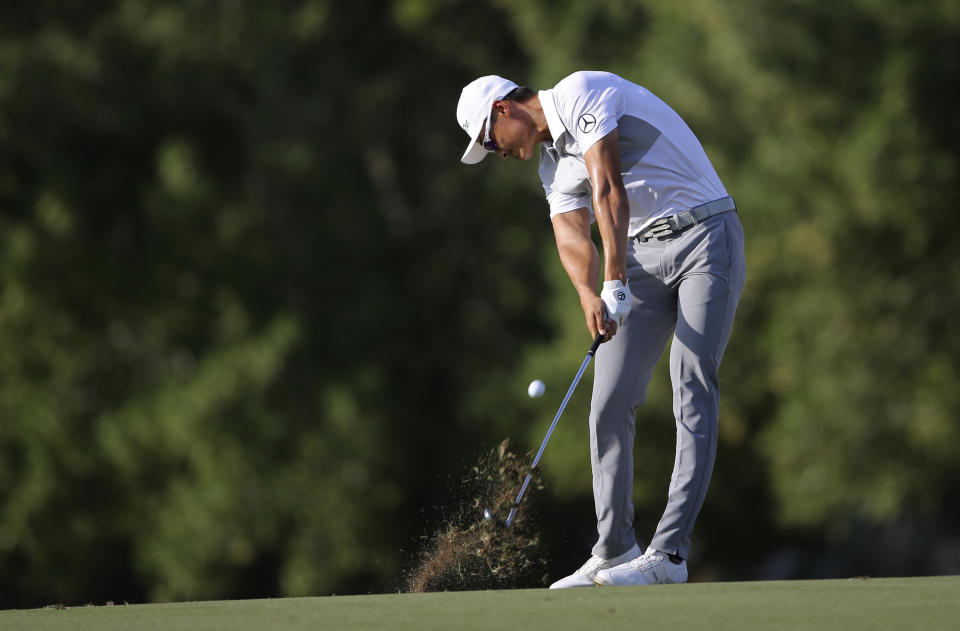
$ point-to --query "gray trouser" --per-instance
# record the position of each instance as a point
(688, 283)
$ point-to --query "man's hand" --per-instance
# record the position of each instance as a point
(596, 314)
(616, 299)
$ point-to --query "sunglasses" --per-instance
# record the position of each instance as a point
(488, 144)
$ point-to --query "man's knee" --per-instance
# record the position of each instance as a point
(615, 405)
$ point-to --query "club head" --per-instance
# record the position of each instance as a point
(491, 519)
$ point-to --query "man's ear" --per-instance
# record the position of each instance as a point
(502, 108)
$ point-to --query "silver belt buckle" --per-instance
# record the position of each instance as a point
(684, 219)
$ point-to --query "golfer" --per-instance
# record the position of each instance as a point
(673, 264)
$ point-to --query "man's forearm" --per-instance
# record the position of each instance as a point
(580, 259)
(613, 212)
(610, 204)
(578, 254)
(582, 264)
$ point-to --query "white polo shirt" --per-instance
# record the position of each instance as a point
(665, 169)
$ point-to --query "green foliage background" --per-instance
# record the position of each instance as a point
(256, 319)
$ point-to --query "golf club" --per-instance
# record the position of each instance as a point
(487, 513)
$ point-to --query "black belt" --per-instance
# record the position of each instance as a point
(684, 219)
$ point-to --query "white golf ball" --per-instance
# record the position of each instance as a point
(536, 388)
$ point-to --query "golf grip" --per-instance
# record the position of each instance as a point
(596, 344)
(536, 461)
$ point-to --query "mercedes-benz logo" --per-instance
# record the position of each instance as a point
(587, 122)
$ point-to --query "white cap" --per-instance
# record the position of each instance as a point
(473, 110)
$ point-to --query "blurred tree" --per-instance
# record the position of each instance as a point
(255, 318)
(244, 289)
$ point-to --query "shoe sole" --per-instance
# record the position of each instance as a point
(599, 584)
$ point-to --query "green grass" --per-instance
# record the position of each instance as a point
(848, 605)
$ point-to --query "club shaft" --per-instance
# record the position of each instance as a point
(553, 425)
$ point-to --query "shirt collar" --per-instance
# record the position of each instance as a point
(554, 123)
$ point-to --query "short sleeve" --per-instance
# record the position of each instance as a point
(565, 183)
(589, 107)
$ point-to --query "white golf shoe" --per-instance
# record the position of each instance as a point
(585, 576)
(653, 568)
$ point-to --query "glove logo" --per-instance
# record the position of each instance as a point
(587, 122)
(621, 295)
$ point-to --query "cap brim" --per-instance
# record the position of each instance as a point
(474, 153)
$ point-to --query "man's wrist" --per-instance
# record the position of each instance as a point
(587, 294)
(619, 275)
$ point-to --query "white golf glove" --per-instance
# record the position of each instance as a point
(616, 299)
